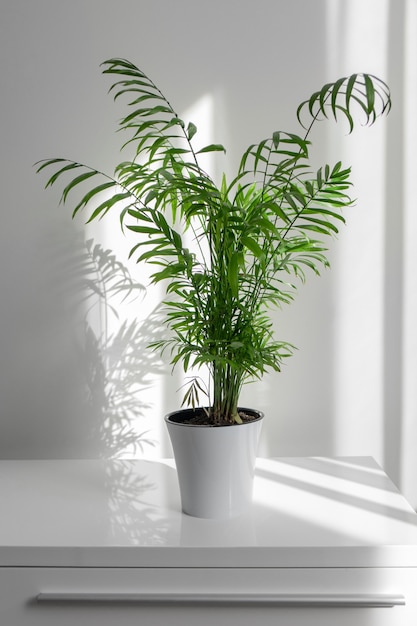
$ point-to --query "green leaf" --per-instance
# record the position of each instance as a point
(191, 130)
(214, 147)
(324, 96)
(370, 93)
(145, 112)
(67, 168)
(76, 181)
(105, 206)
(349, 88)
(48, 162)
(335, 92)
(233, 274)
(253, 246)
(90, 195)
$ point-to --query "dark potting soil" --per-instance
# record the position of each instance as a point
(204, 419)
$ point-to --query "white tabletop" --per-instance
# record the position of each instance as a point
(307, 512)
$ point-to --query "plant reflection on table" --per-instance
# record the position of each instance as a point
(136, 517)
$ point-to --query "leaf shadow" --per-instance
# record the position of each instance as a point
(117, 365)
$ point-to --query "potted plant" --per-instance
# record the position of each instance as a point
(227, 252)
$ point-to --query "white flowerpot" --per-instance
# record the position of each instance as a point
(215, 464)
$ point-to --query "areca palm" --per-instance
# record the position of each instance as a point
(252, 236)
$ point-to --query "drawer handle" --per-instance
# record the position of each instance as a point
(228, 599)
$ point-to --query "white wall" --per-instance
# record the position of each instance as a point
(245, 65)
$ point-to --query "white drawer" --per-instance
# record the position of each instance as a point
(228, 596)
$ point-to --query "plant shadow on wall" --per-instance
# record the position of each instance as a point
(116, 366)
(69, 388)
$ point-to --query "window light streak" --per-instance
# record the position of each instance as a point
(409, 365)
(283, 486)
(356, 31)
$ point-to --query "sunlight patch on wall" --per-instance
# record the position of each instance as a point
(201, 113)
(358, 30)
(409, 365)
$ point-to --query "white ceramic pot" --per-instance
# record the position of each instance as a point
(215, 465)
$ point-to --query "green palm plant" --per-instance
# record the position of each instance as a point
(253, 237)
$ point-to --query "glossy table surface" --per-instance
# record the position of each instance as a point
(307, 512)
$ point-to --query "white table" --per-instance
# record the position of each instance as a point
(328, 541)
